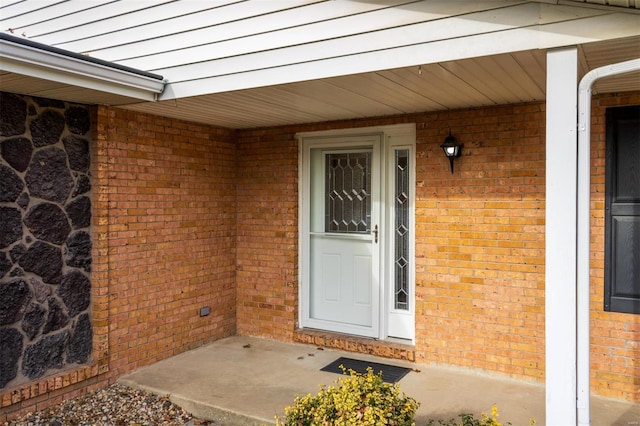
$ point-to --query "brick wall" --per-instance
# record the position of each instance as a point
(169, 232)
(479, 247)
(164, 245)
(480, 241)
(615, 337)
(267, 230)
(171, 235)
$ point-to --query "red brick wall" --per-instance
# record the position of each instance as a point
(479, 238)
(615, 337)
(164, 232)
(480, 241)
(479, 247)
(171, 235)
(267, 230)
(178, 207)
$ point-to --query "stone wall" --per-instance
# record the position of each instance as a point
(163, 244)
(45, 239)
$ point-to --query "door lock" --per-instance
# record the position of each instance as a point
(375, 234)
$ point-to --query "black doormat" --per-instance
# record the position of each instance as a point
(390, 373)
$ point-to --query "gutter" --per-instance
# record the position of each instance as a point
(583, 228)
(26, 57)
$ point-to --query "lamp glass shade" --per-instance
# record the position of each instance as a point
(451, 147)
(450, 151)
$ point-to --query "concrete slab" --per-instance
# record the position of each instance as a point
(247, 381)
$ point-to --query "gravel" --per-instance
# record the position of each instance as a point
(116, 405)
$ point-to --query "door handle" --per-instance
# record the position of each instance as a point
(375, 234)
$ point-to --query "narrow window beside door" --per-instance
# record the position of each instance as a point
(401, 249)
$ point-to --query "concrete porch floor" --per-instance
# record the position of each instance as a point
(247, 381)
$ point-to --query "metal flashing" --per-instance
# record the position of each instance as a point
(34, 59)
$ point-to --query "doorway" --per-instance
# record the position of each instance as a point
(357, 232)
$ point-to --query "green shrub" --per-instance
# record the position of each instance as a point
(471, 420)
(358, 399)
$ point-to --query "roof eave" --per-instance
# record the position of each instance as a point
(37, 60)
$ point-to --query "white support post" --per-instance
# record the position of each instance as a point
(560, 234)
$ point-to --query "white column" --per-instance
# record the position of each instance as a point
(560, 234)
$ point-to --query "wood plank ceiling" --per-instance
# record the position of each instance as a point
(243, 64)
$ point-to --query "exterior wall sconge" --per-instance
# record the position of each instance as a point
(452, 148)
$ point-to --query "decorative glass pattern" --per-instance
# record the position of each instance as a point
(401, 229)
(348, 192)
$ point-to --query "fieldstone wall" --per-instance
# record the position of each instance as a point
(45, 238)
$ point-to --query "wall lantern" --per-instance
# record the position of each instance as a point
(452, 148)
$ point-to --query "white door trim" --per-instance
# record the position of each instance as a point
(399, 323)
(393, 137)
(336, 143)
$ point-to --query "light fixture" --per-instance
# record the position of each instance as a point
(452, 148)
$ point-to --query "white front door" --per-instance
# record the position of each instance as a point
(357, 234)
(344, 189)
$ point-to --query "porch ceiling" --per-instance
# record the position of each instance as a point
(244, 64)
(490, 80)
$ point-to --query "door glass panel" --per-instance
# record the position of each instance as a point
(401, 229)
(348, 192)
